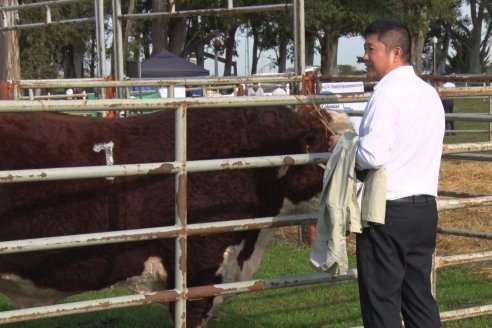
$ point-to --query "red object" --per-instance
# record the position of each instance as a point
(312, 233)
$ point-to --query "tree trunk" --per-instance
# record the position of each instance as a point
(417, 50)
(477, 15)
(69, 70)
(9, 54)
(230, 43)
(309, 49)
(93, 56)
(127, 29)
(443, 50)
(177, 37)
(329, 49)
(254, 51)
(159, 30)
(282, 52)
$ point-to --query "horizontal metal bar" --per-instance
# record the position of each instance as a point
(7, 247)
(454, 193)
(42, 4)
(464, 232)
(51, 311)
(463, 92)
(102, 171)
(170, 296)
(468, 131)
(211, 12)
(470, 156)
(467, 147)
(451, 204)
(442, 261)
(468, 313)
(482, 78)
(37, 25)
(482, 117)
(475, 311)
(166, 103)
(56, 96)
(102, 83)
(133, 235)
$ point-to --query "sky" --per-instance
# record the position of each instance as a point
(348, 50)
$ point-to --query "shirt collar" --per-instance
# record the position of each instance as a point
(398, 72)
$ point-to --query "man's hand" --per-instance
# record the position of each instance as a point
(332, 141)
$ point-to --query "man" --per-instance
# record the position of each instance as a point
(402, 128)
(448, 105)
(255, 90)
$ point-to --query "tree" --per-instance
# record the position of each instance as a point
(417, 15)
(328, 21)
(51, 49)
(9, 51)
(440, 28)
(474, 31)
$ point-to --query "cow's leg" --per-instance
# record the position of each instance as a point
(24, 293)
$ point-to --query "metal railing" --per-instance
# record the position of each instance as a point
(181, 293)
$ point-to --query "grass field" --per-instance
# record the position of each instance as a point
(332, 304)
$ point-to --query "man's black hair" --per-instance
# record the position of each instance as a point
(392, 33)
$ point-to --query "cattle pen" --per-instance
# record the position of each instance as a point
(180, 167)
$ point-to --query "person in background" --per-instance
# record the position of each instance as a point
(448, 105)
(403, 129)
(255, 90)
(240, 90)
(279, 92)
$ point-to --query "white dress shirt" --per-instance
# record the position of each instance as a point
(403, 126)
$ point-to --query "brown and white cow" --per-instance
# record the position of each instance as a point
(44, 209)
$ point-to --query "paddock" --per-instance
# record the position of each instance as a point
(178, 168)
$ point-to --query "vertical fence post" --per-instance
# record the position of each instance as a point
(181, 217)
(100, 38)
(118, 45)
(490, 112)
(299, 41)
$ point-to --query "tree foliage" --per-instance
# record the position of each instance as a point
(49, 50)
(69, 50)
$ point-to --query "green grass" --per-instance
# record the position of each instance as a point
(469, 105)
(333, 305)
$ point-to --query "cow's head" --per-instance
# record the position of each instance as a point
(303, 182)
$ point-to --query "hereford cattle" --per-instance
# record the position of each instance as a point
(45, 209)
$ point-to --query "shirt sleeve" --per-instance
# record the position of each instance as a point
(377, 132)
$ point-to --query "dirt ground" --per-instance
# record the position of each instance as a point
(458, 176)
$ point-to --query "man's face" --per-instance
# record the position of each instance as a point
(379, 61)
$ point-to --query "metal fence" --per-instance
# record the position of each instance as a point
(179, 168)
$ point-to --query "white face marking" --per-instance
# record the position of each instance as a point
(230, 271)
(153, 277)
(108, 150)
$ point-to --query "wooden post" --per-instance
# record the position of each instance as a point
(9, 53)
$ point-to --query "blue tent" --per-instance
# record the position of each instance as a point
(168, 65)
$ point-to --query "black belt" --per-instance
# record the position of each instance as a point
(413, 199)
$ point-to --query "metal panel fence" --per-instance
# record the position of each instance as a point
(181, 293)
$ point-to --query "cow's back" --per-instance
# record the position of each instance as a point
(55, 208)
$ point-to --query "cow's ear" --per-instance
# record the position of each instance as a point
(307, 142)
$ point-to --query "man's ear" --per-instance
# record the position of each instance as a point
(398, 52)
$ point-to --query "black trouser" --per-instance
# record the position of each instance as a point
(394, 263)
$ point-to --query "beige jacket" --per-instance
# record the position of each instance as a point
(340, 210)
